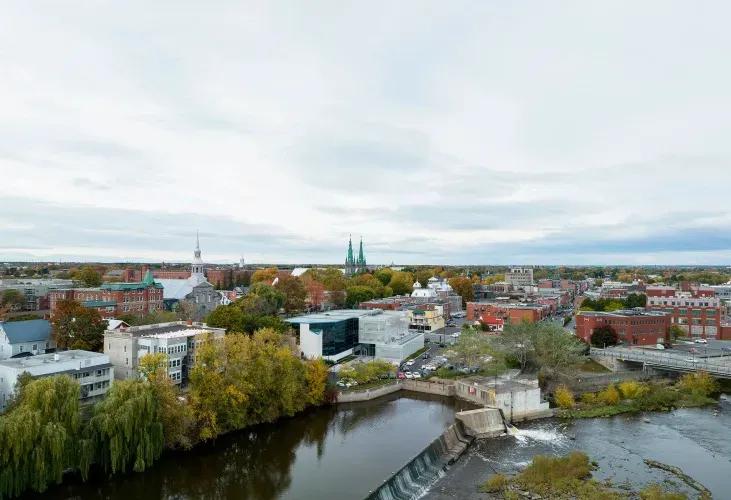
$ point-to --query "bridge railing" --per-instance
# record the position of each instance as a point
(665, 360)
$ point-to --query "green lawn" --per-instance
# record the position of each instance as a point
(592, 366)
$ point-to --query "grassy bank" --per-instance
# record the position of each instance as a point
(568, 477)
(692, 390)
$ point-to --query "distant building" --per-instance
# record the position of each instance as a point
(178, 340)
(697, 311)
(35, 291)
(633, 327)
(520, 277)
(91, 370)
(353, 265)
(115, 299)
(387, 335)
(426, 318)
(195, 291)
(509, 312)
(25, 338)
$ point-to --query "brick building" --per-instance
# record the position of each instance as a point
(696, 310)
(135, 275)
(633, 327)
(114, 299)
(511, 313)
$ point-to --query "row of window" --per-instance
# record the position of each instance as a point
(176, 376)
(682, 303)
(171, 349)
(173, 363)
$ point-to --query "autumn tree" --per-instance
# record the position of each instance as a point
(315, 292)
(316, 374)
(294, 293)
(12, 299)
(264, 275)
(463, 287)
(604, 336)
(77, 327)
(384, 275)
(357, 294)
(401, 283)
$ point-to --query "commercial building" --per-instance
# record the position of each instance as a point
(426, 318)
(633, 326)
(520, 277)
(697, 311)
(35, 291)
(92, 370)
(115, 299)
(178, 340)
(386, 335)
(25, 338)
(510, 312)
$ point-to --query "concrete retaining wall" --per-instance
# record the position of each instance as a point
(368, 394)
(440, 388)
(485, 422)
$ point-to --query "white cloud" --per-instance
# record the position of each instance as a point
(464, 132)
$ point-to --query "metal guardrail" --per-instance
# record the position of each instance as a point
(666, 360)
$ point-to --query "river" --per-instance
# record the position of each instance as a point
(696, 440)
(338, 453)
(347, 451)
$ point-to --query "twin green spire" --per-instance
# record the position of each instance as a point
(353, 265)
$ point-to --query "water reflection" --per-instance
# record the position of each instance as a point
(338, 452)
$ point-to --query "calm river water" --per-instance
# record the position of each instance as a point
(327, 453)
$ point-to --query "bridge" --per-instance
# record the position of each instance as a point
(718, 366)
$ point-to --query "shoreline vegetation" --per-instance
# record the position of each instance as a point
(691, 390)
(236, 382)
(570, 477)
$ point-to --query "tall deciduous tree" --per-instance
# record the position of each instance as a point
(77, 327)
(401, 283)
(463, 287)
(294, 293)
(604, 336)
(89, 276)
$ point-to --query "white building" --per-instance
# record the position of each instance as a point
(520, 277)
(385, 335)
(178, 340)
(92, 370)
(25, 338)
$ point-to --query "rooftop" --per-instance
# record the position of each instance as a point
(624, 312)
(331, 316)
(26, 331)
(54, 358)
(175, 327)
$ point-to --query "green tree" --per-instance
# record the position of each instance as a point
(676, 332)
(384, 275)
(89, 276)
(357, 294)
(401, 283)
(175, 415)
(473, 349)
(422, 276)
(604, 336)
(463, 287)
(77, 327)
(316, 374)
(126, 429)
(262, 299)
(40, 435)
(12, 299)
(555, 350)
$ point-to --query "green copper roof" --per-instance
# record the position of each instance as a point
(130, 286)
(99, 303)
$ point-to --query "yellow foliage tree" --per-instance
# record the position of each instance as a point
(564, 397)
(609, 396)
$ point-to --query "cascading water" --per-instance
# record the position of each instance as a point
(415, 478)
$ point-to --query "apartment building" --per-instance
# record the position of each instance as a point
(697, 311)
(633, 326)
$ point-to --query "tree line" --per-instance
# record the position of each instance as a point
(236, 382)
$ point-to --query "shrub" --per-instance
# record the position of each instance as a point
(495, 484)
(588, 398)
(631, 389)
(656, 492)
(609, 396)
(564, 397)
(698, 384)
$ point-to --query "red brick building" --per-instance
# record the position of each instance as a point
(510, 313)
(632, 327)
(114, 299)
(697, 310)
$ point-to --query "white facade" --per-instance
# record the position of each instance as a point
(25, 337)
(92, 370)
(520, 277)
(388, 332)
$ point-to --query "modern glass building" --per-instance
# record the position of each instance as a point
(331, 335)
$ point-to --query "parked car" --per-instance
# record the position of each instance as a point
(426, 355)
(417, 375)
(410, 362)
(401, 375)
(691, 360)
(455, 334)
(700, 341)
(409, 375)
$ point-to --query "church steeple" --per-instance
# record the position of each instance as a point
(197, 266)
(361, 257)
(349, 259)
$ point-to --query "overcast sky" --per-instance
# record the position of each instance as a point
(484, 132)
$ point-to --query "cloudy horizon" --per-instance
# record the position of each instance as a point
(474, 132)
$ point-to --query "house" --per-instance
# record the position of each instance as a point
(25, 338)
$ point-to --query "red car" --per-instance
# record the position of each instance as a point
(401, 375)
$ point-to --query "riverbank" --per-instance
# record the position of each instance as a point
(693, 440)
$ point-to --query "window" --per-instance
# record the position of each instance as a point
(35, 347)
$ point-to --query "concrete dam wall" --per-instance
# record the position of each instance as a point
(424, 469)
(483, 423)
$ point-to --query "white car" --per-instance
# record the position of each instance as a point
(408, 375)
(700, 341)
(455, 334)
(416, 375)
(691, 360)
(410, 362)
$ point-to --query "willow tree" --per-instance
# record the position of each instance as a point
(126, 429)
(39, 436)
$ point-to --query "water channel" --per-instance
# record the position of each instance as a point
(348, 451)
